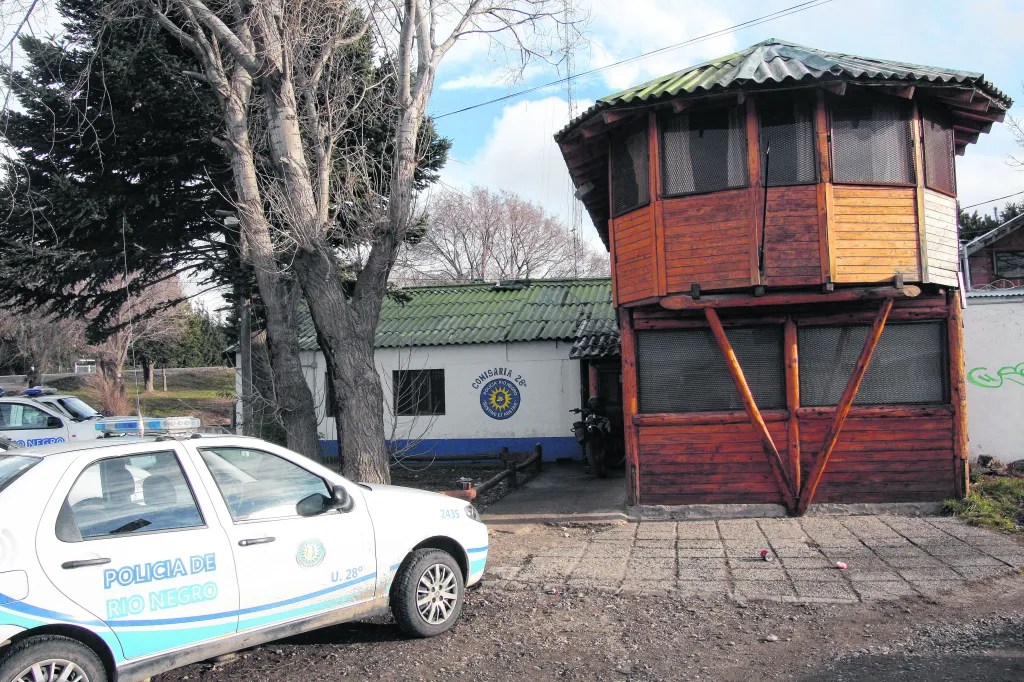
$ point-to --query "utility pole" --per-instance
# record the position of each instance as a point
(244, 304)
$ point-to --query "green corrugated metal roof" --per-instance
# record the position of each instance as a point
(777, 62)
(486, 313)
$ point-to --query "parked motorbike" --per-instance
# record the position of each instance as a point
(594, 432)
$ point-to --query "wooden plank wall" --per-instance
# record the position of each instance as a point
(635, 263)
(709, 463)
(875, 234)
(792, 248)
(905, 458)
(943, 256)
(708, 240)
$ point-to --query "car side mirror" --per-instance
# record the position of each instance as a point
(317, 503)
(54, 423)
(341, 500)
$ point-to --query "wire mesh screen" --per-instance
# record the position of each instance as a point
(630, 169)
(871, 142)
(787, 144)
(683, 370)
(907, 367)
(939, 169)
(703, 151)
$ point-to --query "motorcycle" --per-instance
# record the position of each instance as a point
(593, 432)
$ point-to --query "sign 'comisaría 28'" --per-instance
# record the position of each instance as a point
(500, 396)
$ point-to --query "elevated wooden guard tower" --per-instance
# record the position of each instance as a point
(782, 227)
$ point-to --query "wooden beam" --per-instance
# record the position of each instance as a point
(792, 360)
(629, 406)
(978, 105)
(610, 118)
(705, 418)
(747, 398)
(756, 188)
(685, 302)
(810, 486)
(917, 136)
(825, 191)
(958, 393)
(657, 205)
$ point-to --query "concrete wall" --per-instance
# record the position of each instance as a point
(548, 383)
(994, 352)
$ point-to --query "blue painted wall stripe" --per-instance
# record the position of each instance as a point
(553, 447)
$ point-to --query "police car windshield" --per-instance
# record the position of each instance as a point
(12, 466)
(78, 409)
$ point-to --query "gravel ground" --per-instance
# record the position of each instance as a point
(973, 633)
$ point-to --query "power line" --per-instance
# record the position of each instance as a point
(964, 208)
(793, 9)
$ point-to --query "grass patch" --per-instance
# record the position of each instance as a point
(205, 393)
(995, 502)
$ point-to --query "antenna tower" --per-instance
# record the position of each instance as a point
(575, 208)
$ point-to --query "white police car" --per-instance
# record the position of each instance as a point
(29, 424)
(120, 559)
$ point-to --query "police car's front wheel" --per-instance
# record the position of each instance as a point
(427, 596)
(49, 658)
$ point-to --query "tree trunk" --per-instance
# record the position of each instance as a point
(280, 298)
(148, 371)
(346, 333)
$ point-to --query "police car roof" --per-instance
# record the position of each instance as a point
(78, 446)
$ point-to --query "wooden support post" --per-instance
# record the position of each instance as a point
(657, 206)
(792, 400)
(774, 459)
(629, 405)
(810, 486)
(919, 191)
(593, 380)
(826, 199)
(755, 195)
(958, 393)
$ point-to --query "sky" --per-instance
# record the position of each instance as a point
(510, 146)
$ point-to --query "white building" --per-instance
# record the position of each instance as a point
(473, 368)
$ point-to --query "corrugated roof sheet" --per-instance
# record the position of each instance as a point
(486, 313)
(597, 338)
(777, 62)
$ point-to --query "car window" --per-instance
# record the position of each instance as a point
(77, 408)
(125, 495)
(16, 416)
(12, 466)
(259, 485)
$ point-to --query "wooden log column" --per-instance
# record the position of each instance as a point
(792, 359)
(753, 413)
(843, 408)
(629, 405)
(958, 393)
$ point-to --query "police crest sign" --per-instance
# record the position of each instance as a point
(500, 396)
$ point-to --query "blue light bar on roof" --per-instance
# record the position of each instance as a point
(147, 424)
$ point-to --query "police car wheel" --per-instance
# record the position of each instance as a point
(428, 593)
(50, 658)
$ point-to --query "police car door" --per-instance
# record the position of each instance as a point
(132, 541)
(31, 425)
(290, 567)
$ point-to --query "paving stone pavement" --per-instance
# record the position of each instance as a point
(887, 557)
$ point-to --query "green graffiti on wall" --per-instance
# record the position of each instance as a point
(982, 376)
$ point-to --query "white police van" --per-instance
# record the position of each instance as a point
(130, 557)
(29, 424)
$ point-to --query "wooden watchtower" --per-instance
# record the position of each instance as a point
(783, 234)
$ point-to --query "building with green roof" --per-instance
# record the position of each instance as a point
(472, 368)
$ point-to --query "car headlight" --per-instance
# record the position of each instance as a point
(472, 513)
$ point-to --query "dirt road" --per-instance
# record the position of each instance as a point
(531, 634)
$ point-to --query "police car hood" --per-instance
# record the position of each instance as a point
(394, 495)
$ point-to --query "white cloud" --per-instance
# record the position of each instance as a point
(519, 154)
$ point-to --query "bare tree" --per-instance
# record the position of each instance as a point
(317, 202)
(41, 341)
(483, 235)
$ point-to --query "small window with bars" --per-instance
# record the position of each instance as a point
(418, 392)
(630, 161)
(1008, 263)
(939, 168)
(682, 370)
(871, 142)
(703, 151)
(908, 367)
(787, 143)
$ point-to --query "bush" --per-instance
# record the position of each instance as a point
(111, 398)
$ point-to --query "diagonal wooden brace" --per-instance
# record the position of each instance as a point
(810, 486)
(774, 459)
